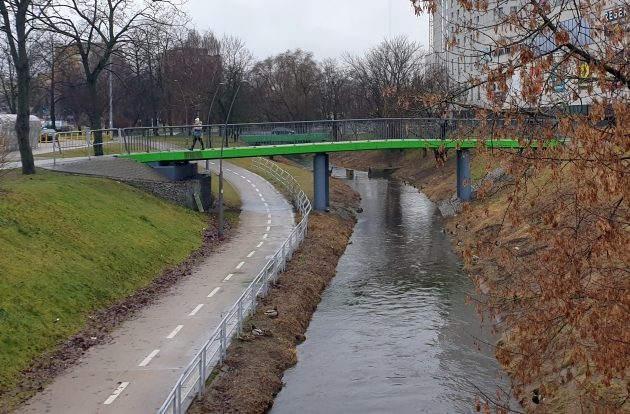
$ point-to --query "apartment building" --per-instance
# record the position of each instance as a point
(466, 43)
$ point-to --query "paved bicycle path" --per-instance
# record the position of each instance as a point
(135, 371)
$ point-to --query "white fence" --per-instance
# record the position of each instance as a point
(192, 382)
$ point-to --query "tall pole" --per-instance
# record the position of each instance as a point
(111, 102)
(227, 118)
(210, 125)
(210, 113)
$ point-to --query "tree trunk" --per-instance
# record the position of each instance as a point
(95, 119)
(22, 126)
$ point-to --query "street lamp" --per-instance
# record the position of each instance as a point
(210, 113)
(227, 118)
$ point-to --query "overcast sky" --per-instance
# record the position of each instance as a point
(328, 28)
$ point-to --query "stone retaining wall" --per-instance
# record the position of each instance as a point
(178, 192)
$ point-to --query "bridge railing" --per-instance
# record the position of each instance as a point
(168, 138)
(191, 383)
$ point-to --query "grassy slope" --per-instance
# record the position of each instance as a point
(70, 245)
(302, 176)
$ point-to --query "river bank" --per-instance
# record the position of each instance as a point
(252, 372)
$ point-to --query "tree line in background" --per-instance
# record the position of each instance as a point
(62, 58)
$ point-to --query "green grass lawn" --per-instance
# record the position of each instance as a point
(231, 198)
(71, 245)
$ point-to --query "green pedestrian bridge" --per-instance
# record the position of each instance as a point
(169, 146)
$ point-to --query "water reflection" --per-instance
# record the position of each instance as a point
(392, 333)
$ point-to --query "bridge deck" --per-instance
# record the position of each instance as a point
(313, 148)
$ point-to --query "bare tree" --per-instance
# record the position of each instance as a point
(237, 62)
(333, 84)
(543, 71)
(95, 30)
(288, 86)
(386, 74)
(16, 27)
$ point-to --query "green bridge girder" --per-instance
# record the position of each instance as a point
(321, 147)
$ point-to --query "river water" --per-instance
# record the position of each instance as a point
(392, 333)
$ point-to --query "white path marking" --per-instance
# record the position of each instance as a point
(268, 221)
(260, 244)
(116, 393)
(249, 181)
(238, 266)
(251, 253)
(265, 236)
(228, 277)
(266, 205)
(262, 199)
(194, 312)
(214, 292)
(148, 359)
(175, 332)
(257, 190)
(268, 215)
(268, 228)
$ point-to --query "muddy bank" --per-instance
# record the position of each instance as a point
(252, 373)
(100, 325)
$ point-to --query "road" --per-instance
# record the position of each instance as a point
(135, 371)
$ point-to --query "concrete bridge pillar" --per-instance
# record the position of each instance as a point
(464, 189)
(321, 188)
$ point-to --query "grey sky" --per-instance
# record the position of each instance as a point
(328, 28)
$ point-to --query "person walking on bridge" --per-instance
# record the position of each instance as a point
(197, 128)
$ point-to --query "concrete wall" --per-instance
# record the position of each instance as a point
(178, 192)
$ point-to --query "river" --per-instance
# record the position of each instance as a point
(392, 333)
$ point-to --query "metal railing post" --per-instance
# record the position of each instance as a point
(239, 326)
(202, 374)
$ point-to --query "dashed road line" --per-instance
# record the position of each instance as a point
(260, 244)
(238, 266)
(262, 199)
(214, 292)
(228, 277)
(257, 190)
(268, 215)
(197, 308)
(175, 332)
(265, 236)
(148, 359)
(249, 181)
(266, 205)
(268, 221)
(268, 228)
(251, 253)
(116, 393)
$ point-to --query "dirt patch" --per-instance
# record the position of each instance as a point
(100, 325)
(252, 373)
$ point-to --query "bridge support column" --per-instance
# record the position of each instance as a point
(464, 188)
(320, 182)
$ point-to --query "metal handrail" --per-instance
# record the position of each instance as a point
(191, 382)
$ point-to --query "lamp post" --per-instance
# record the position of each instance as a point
(210, 113)
(227, 118)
